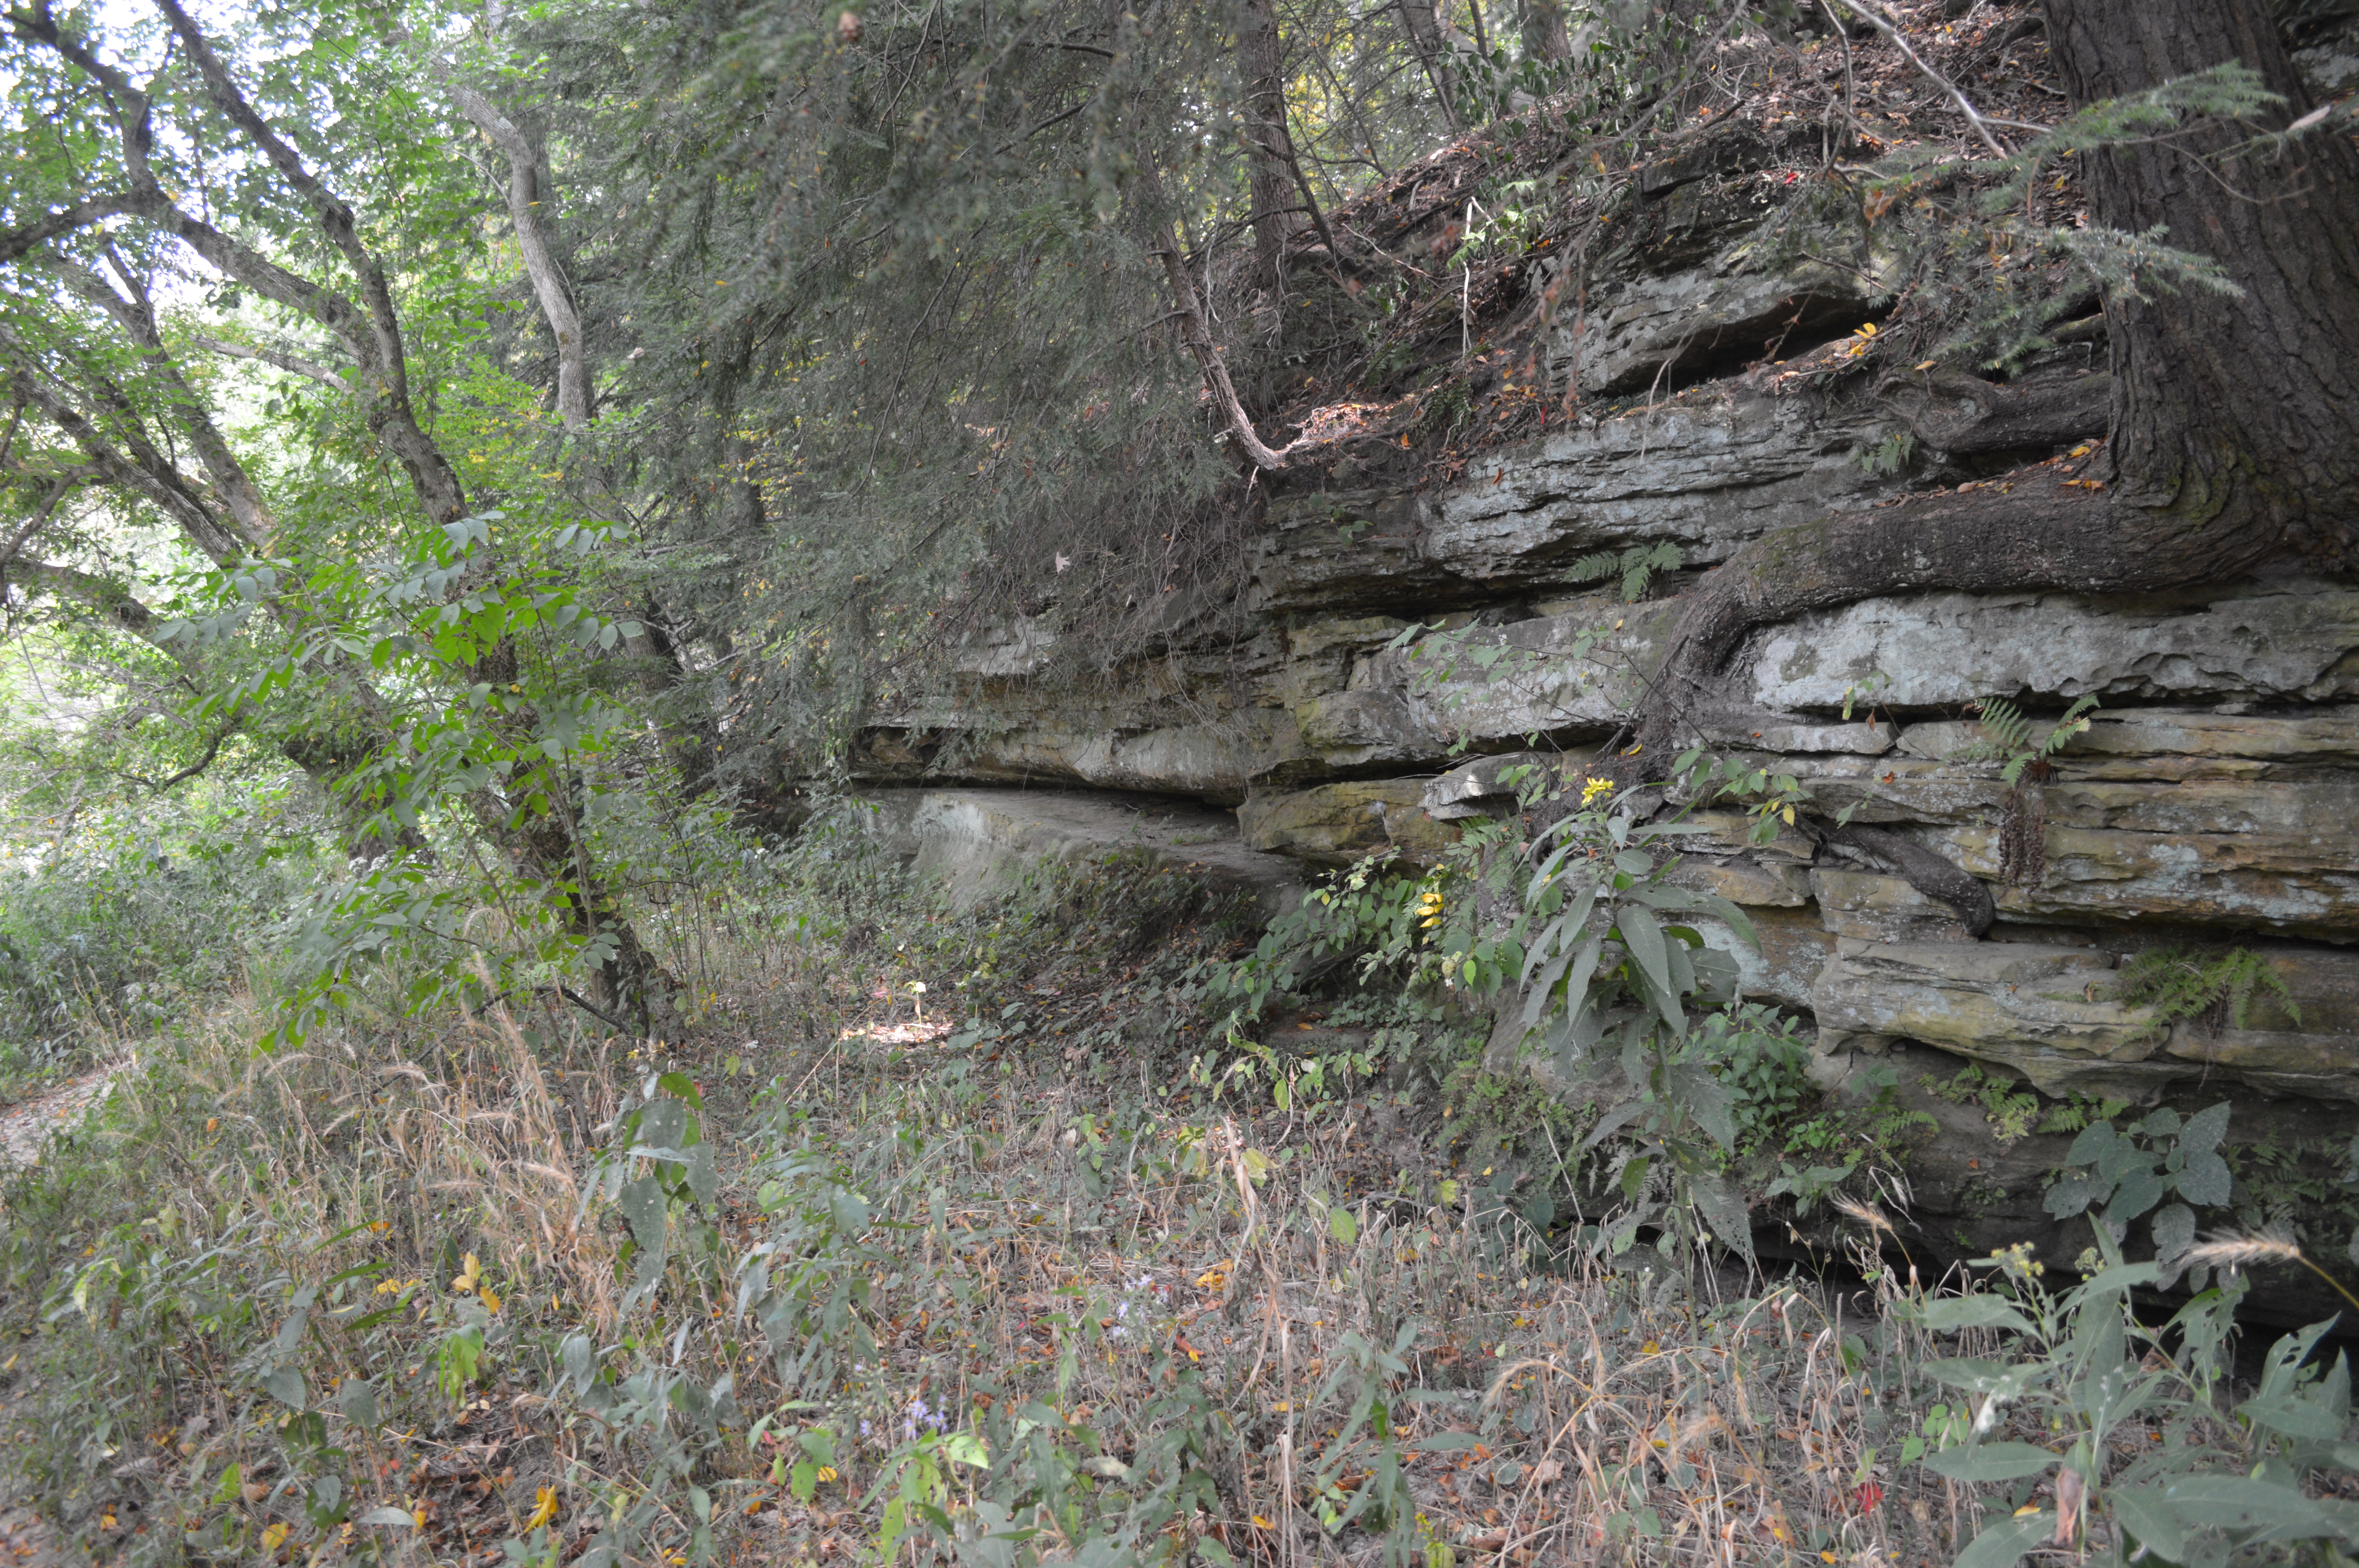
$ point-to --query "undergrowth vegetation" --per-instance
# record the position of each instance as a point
(1050, 1227)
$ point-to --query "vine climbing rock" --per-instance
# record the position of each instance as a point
(2157, 513)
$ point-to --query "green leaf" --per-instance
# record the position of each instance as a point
(2003, 1545)
(1990, 1462)
(1979, 1377)
(2091, 1146)
(2294, 1416)
(1644, 938)
(2141, 1188)
(285, 1384)
(642, 1203)
(2204, 1130)
(357, 1397)
(2072, 1195)
(1342, 1226)
(1723, 1207)
(2145, 1514)
(1977, 1310)
(2241, 1502)
(1705, 1098)
(2205, 1179)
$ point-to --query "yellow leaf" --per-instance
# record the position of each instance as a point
(544, 1508)
(418, 1515)
(1789, 822)
(272, 1537)
(827, 1472)
(491, 1299)
(1261, 1523)
(1928, 365)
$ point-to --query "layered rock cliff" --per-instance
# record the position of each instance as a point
(2211, 802)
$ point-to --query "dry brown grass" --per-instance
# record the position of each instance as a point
(1057, 1222)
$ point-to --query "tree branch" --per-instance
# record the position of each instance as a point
(293, 364)
(137, 318)
(146, 471)
(14, 242)
(385, 362)
(524, 212)
(59, 490)
(102, 594)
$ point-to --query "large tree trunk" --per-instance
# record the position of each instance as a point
(2235, 423)
(1423, 24)
(2234, 417)
(1262, 62)
(1545, 35)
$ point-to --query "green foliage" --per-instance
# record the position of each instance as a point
(1636, 567)
(2119, 1175)
(116, 926)
(1764, 1065)
(2227, 1474)
(1967, 242)
(2213, 987)
(1889, 456)
(2013, 1113)
(2013, 740)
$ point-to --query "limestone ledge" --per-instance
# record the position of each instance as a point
(1707, 478)
(2293, 641)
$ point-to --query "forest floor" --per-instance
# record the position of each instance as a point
(27, 1126)
(27, 1540)
(1059, 1247)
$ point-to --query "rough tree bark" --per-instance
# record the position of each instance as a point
(1262, 62)
(2235, 421)
(1544, 31)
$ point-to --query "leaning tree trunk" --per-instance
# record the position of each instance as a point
(2235, 422)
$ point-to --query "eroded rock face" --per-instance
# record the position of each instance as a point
(2211, 802)
(1706, 476)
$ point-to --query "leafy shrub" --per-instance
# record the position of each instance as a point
(142, 914)
(2225, 1482)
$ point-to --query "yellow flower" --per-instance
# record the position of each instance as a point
(544, 1508)
(1595, 787)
